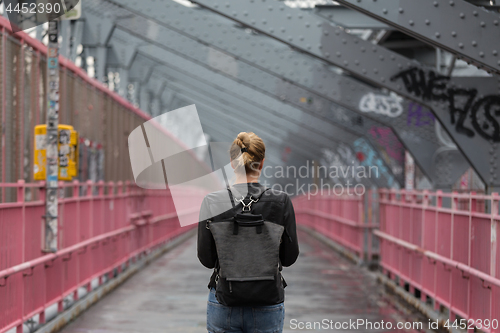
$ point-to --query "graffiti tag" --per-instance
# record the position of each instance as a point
(462, 102)
(382, 104)
(386, 138)
(419, 116)
(368, 157)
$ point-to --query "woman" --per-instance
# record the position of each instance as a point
(267, 314)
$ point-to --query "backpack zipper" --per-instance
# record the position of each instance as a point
(230, 287)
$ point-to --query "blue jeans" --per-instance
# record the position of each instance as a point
(237, 319)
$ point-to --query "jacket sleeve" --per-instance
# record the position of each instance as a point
(289, 249)
(207, 253)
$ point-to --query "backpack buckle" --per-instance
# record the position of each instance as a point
(247, 207)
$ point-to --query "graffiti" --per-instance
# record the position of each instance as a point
(341, 115)
(419, 116)
(462, 103)
(339, 159)
(386, 138)
(368, 157)
(382, 104)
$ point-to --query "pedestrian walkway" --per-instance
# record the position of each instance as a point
(170, 295)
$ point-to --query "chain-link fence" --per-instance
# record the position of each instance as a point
(102, 120)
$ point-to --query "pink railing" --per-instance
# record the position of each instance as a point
(101, 227)
(340, 218)
(450, 254)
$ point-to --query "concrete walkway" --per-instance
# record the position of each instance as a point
(170, 295)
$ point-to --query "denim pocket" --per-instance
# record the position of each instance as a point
(218, 315)
(269, 319)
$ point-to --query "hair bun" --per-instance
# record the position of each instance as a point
(244, 138)
(253, 148)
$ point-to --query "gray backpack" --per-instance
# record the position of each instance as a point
(248, 268)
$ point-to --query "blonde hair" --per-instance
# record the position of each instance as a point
(256, 152)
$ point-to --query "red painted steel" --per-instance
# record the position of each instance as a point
(340, 218)
(450, 254)
(97, 234)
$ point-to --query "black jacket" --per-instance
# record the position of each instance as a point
(274, 206)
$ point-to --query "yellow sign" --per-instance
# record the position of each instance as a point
(68, 152)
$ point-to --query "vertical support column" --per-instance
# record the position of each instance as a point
(136, 92)
(75, 39)
(123, 85)
(168, 97)
(52, 168)
(155, 106)
(144, 99)
(4, 110)
(66, 35)
(100, 63)
(409, 172)
(39, 32)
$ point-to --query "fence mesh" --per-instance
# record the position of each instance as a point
(102, 122)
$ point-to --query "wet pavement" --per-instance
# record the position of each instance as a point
(170, 295)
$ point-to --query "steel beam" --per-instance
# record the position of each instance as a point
(456, 26)
(464, 111)
(343, 154)
(379, 136)
(251, 118)
(348, 18)
(296, 69)
(243, 98)
(211, 113)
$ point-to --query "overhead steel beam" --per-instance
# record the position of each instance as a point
(217, 128)
(229, 126)
(220, 133)
(224, 110)
(247, 109)
(152, 62)
(379, 136)
(456, 26)
(344, 156)
(348, 18)
(463, 110)
(319, 131)
(295, 69)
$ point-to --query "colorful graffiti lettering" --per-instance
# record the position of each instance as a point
(386, 138)
(370, 159)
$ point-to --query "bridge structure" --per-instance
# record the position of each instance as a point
(380, 119)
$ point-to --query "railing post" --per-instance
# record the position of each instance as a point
(89, 195)
(100, 188)
(20, 199)
(76, 188)
(494, 230)
(425, 203)
(20, 190)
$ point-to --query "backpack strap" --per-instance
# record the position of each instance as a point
(231, 196)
